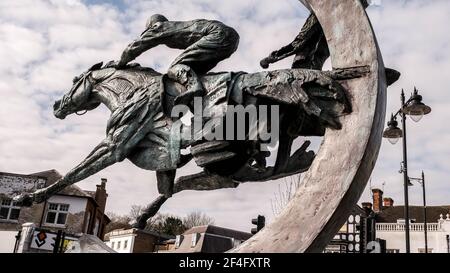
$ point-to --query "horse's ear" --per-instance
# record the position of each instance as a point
(96, 66)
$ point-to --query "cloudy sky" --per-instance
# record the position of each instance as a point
(45, 43)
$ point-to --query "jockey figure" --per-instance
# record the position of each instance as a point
(205, 44)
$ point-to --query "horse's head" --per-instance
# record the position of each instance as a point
(79, 96)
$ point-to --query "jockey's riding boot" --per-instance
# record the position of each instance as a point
(189, 79)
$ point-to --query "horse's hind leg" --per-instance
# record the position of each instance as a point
(199, 182)
(165, 181)
(150, 211)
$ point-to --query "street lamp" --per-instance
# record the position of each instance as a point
(425, 227)
(393, 133)
(415, 108)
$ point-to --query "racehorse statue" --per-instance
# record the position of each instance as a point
(142, 130)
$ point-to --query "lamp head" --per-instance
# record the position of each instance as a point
(416, 109)
(392, 132)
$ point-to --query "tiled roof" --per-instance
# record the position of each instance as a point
(416, 213)
(52, 176)
(12, 184)
(90, 193)
(212, 239)
(240, 235)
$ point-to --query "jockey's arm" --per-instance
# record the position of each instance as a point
(308, 31)
(146, 41)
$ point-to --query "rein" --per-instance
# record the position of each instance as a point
(85, 77)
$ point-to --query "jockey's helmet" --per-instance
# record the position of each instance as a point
(155, 18)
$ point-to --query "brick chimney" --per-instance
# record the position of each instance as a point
(101, 195)
(388, 202)
(377, 200)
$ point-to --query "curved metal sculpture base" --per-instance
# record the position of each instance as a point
(343, 165)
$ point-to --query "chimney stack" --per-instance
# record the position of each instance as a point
(377, 200)
(101, 195)
(103, 184)
(388, 202)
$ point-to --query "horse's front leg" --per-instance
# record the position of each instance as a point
(101, 157)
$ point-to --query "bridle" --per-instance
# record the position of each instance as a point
(79, 80)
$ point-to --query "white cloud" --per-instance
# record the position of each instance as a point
(414, 39)
(44, 44)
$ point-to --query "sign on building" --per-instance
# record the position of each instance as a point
(45, 240)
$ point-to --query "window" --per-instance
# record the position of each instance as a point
(57, 213)
(125, 244)
(112, 245)
(194, 239)
(9, 210)
(178, 240)
(118, 244)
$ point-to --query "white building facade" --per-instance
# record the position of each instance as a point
(121, 241)
(134, 240)
(438, 235)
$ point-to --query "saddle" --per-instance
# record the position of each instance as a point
(211, 154)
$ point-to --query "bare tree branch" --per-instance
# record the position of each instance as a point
(286, 191)
(197, 218)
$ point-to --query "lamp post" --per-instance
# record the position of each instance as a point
(416, 110)
(425, 227)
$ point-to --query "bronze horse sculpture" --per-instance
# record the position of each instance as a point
(145, 125)
(141, 130)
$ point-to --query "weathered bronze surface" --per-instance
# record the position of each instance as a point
(345, 104)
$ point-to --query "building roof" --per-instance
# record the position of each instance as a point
(212, 239)
(52, 176)
(357, 210)
(392, 214)
(90, 193)
(45, 178)
(211, 229)
(10, 187)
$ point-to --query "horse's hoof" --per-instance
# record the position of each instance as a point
(139, 225)
(136, 225)
(40, 196)
(24, 200)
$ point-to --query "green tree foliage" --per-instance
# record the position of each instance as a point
(171, 225)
